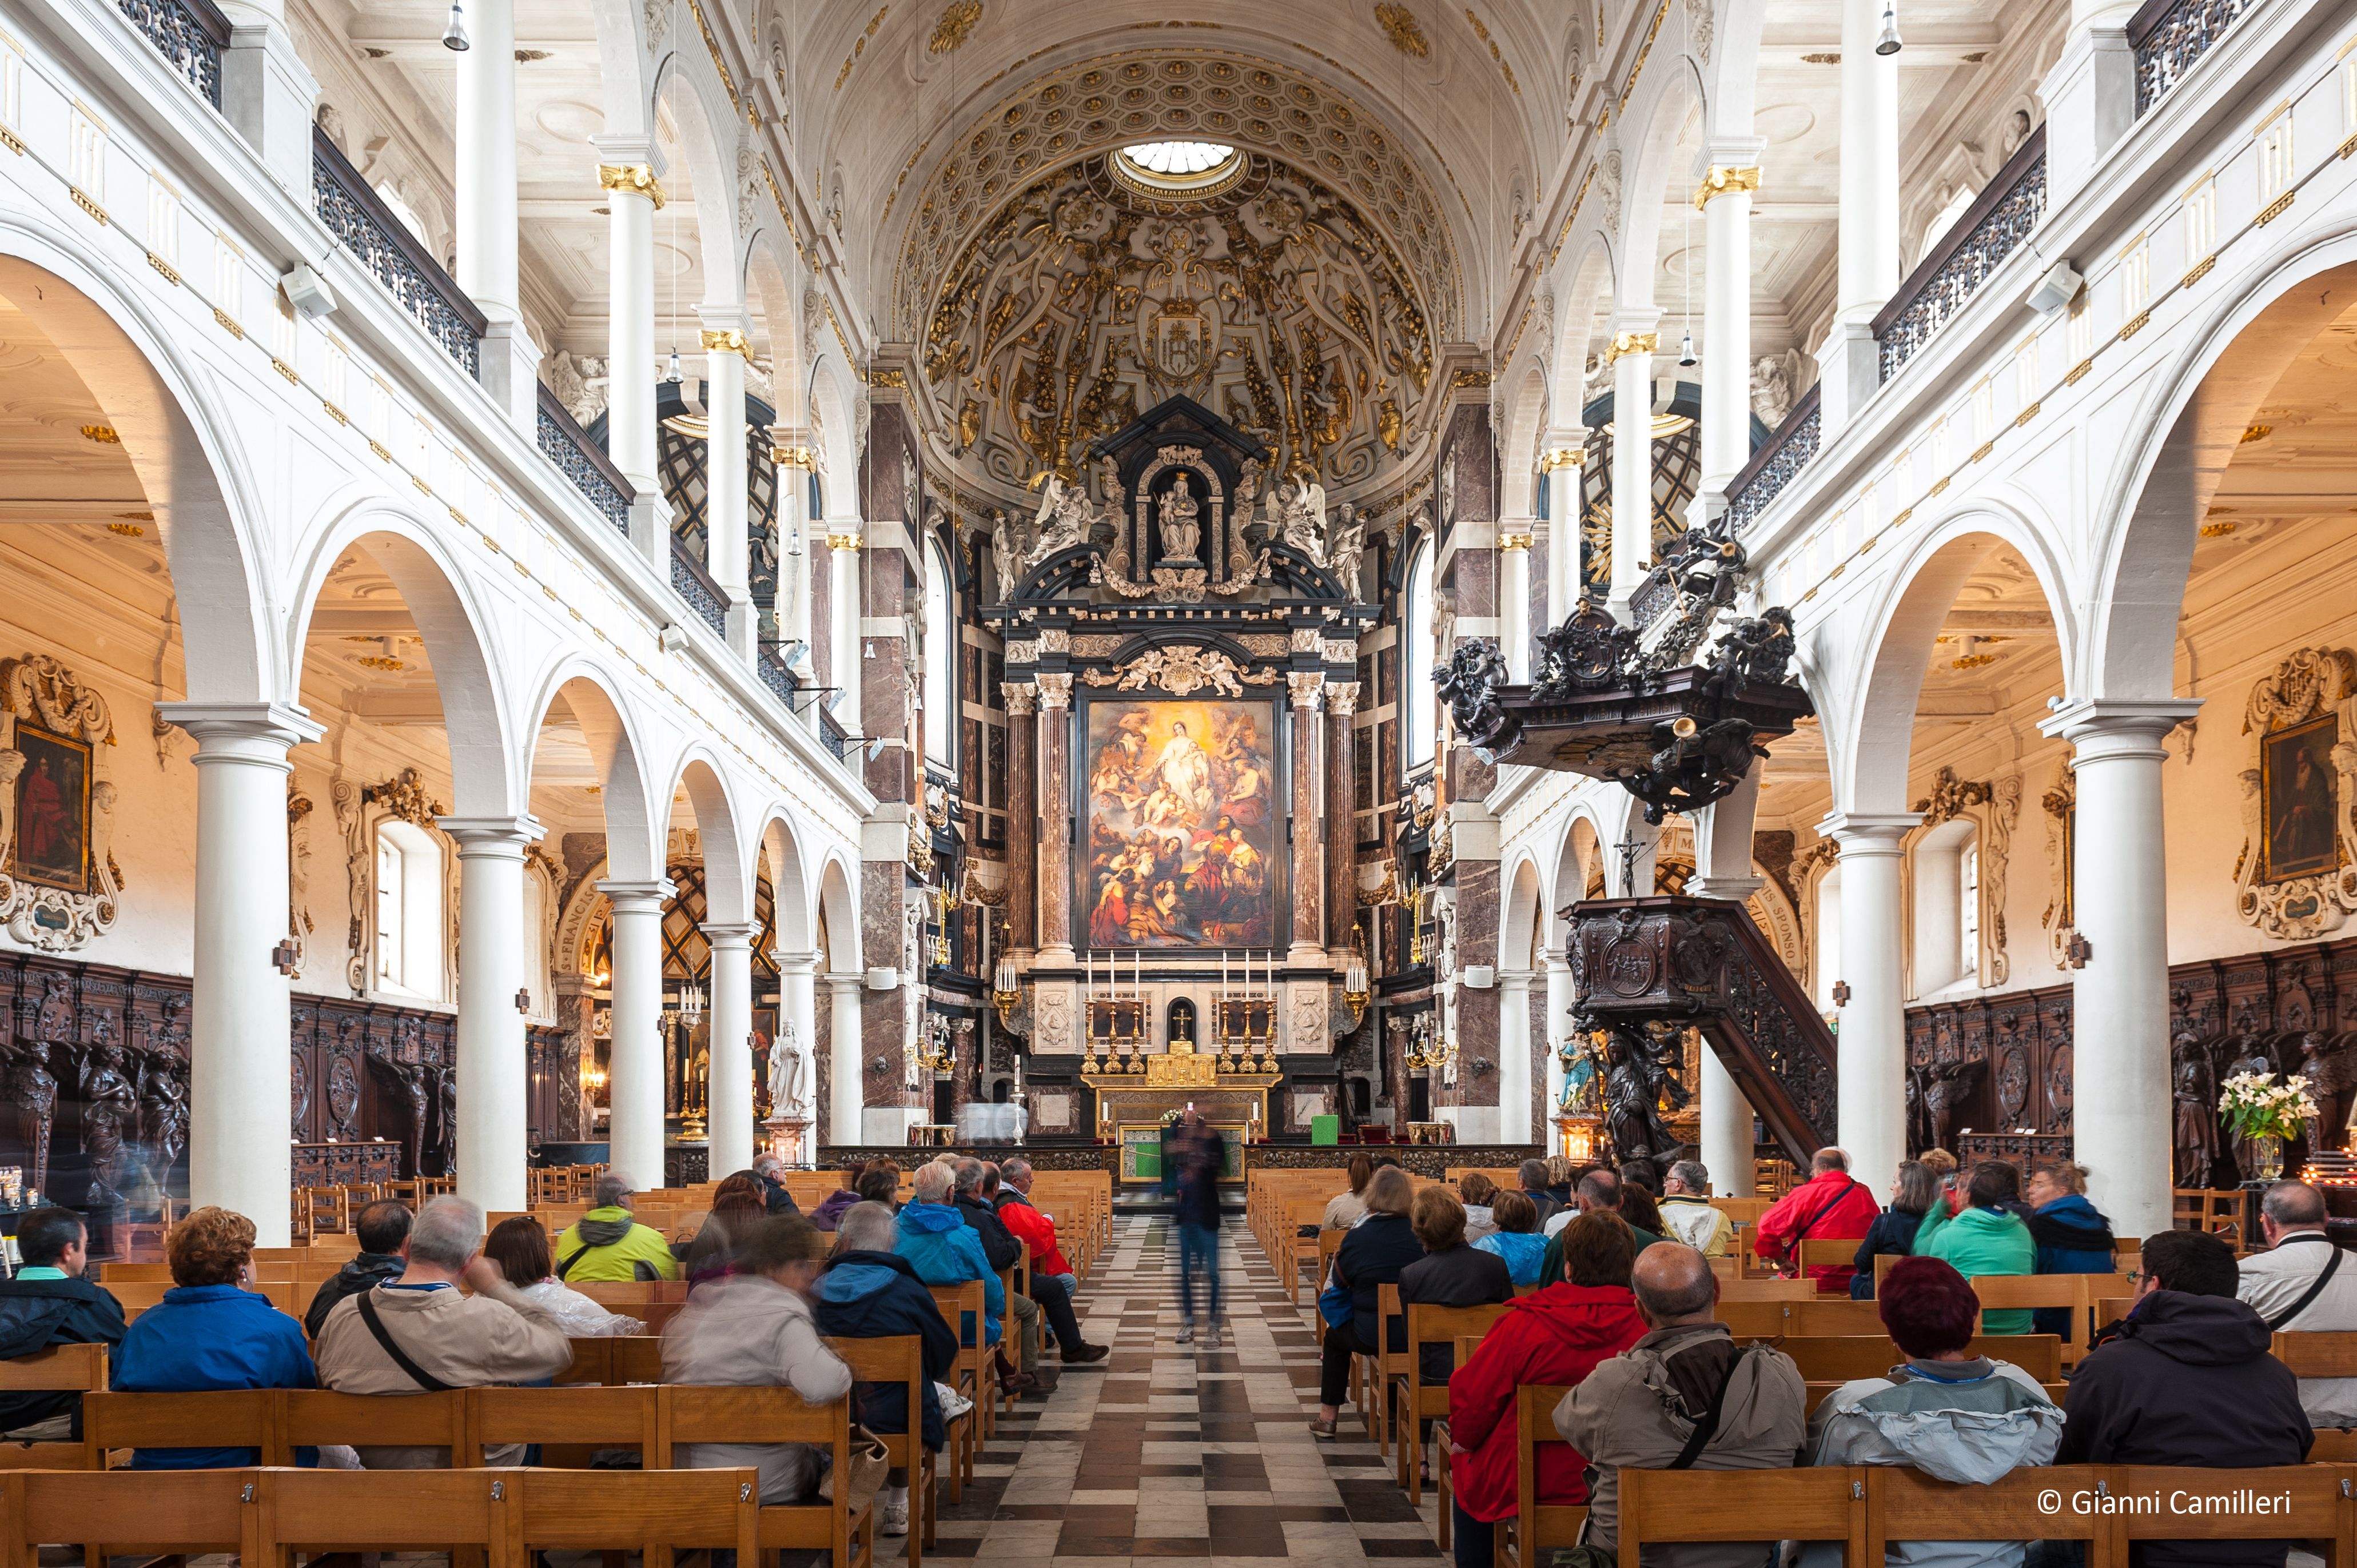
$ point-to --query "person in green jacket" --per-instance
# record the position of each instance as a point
(1985, 1237)
(607, 1245)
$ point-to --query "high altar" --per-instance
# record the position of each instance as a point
(1182, 667)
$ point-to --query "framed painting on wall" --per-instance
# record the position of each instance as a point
(1180, 806)
(2298, 789)
(52, 846)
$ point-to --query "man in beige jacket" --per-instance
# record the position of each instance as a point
(1642, 1408)
(419, 1333)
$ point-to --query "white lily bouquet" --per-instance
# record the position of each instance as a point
(2256, 1106)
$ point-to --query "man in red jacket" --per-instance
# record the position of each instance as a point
(1831, 1206)
(1052, 1283)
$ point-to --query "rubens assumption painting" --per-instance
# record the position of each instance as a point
(1182, 808)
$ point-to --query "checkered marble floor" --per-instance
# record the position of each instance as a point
(1176, 1450)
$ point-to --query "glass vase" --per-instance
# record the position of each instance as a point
(2267, 1159)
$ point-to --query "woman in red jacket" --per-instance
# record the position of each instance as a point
(1553, 1335)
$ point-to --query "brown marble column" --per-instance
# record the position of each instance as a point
(1055, 723)
(1022, 817)
(1341, 828)
(1307, 889)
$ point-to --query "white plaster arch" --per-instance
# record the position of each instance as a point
(778, 846)
(624, 79)
(1584, 296)
(1669, 96)
(1526, 417)
(1525, 908)
(177, 431)
(613, 732)
(458, 628)
(1870, 709)
(2173, 453)
(712, 156)
(836, 880)
(1568, 884)
(833, 395)
(1731, 80)
(728, 865)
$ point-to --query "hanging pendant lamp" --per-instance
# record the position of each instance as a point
(1888, 44)
(454, 33)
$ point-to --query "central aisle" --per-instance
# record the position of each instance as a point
(1180, 1451)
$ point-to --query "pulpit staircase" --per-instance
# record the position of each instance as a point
(1700, 963)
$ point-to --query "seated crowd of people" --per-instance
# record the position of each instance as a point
(1625, 1315)
(431, 1303)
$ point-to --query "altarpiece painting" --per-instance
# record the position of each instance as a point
(1182, 807)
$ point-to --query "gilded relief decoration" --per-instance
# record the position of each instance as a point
(1084, 301)
(59, 884)
(2295, 877)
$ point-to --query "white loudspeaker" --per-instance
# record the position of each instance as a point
(2058, 288)
(307, 292)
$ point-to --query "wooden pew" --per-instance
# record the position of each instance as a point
(359, 1510)
(1907, 1504)
(696, 1414)
(1840, 1359)
(658, 1513)
(1539, 1528)
(177, 1512)
(77, 1369)
(316, 1418)
(900, 1359)
(955, 1303)
(1419, 1400)
(1741, 1504)
(221, 1418)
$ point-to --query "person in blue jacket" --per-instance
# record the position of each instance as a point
(945, 1250)
(2071, 1237)
(50, 1303)
(869, 1292)
(210, 1333)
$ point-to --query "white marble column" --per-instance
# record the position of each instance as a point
(1635, 334)
(848, 1090)
(1564, 461)
(1726, 196)
(1514, 1048)
(2120, 1069)
(793, 570)
(486, 171)
(239, 1153)
(1723, 859)
(1561, 997)
(1515, 567)
(1866, 250)
(796, 1011)
(729, 1090)
(1726, 1130)
(844, 605)
(728, 502)
(494, 1067)
(635, 1086)
(629, 171)
(1871, 1072)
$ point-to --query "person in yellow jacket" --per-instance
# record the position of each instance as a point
(608, 1244)
(1687, 1209)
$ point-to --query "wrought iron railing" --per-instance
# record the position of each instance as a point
(689, 580)
(563, 443)
(1976, 244)
(1782, 456)
(190, 34)
(2169, 36)
(777, 677)
(382, 243)
(832, 734)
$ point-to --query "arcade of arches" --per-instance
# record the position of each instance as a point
(809, 577)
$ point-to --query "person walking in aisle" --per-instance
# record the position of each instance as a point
(1201, 1154)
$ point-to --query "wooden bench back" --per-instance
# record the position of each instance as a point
(2317, 1354)
(1540, 1528)
(1839, 1358)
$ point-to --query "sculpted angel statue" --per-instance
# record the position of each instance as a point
(1003, 553)
(1345, 547)
(1063, 520)
(1298, 511)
